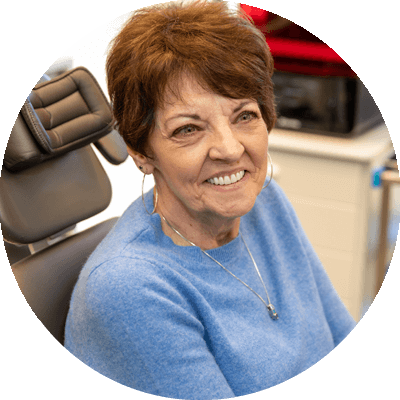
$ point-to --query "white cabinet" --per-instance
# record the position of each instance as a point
(329, 182)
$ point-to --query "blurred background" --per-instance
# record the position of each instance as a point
(331, 151)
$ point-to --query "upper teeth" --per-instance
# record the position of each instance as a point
(226, 180)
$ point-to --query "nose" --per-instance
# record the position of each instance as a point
(225, 145)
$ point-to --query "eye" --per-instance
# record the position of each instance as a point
(250, 115)
(186, 130)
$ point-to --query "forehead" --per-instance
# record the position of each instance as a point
(187, 93)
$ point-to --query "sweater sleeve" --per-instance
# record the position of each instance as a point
(146, 335)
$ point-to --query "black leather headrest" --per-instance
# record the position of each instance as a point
(60, 115)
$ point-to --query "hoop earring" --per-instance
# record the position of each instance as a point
(155, 206)
(272, 171)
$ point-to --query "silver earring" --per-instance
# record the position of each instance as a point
(155, 205)
(272, 171)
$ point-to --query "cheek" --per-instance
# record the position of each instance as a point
(191, 160)
(182, 167)
(258, 150)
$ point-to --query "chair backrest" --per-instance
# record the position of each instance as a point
(51, 180)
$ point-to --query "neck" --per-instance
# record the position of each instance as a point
(207, 233)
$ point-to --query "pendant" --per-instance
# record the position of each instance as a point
(272, 313)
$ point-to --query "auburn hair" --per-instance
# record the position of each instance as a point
(220, 48)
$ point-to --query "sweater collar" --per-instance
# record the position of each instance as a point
(227, 253)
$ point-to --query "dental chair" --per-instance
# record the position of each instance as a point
(51, 180)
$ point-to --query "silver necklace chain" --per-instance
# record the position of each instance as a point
(271, 309)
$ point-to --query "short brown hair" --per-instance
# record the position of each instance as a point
(223, 50)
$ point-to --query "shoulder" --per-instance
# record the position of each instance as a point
(273, 208)
(132, 259)
(133, 228)
(134, 286)
(275, 198)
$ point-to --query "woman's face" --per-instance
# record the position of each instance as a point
(210, 154)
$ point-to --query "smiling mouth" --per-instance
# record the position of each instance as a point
(227, 180)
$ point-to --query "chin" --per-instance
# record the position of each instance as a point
(235, 211)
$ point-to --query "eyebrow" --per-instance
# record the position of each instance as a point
(197, 117)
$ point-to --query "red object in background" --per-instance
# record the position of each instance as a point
(296, 50)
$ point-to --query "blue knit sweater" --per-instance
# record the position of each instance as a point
(168, 320)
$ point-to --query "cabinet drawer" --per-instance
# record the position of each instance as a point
(343, 270)
(318, 177)
(339, 266)
(329, 224)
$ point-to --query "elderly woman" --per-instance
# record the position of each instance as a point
(207, 287)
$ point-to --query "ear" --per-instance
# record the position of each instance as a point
(142, 162)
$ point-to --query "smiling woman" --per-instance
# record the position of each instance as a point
(217, 292)
(200, 138)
